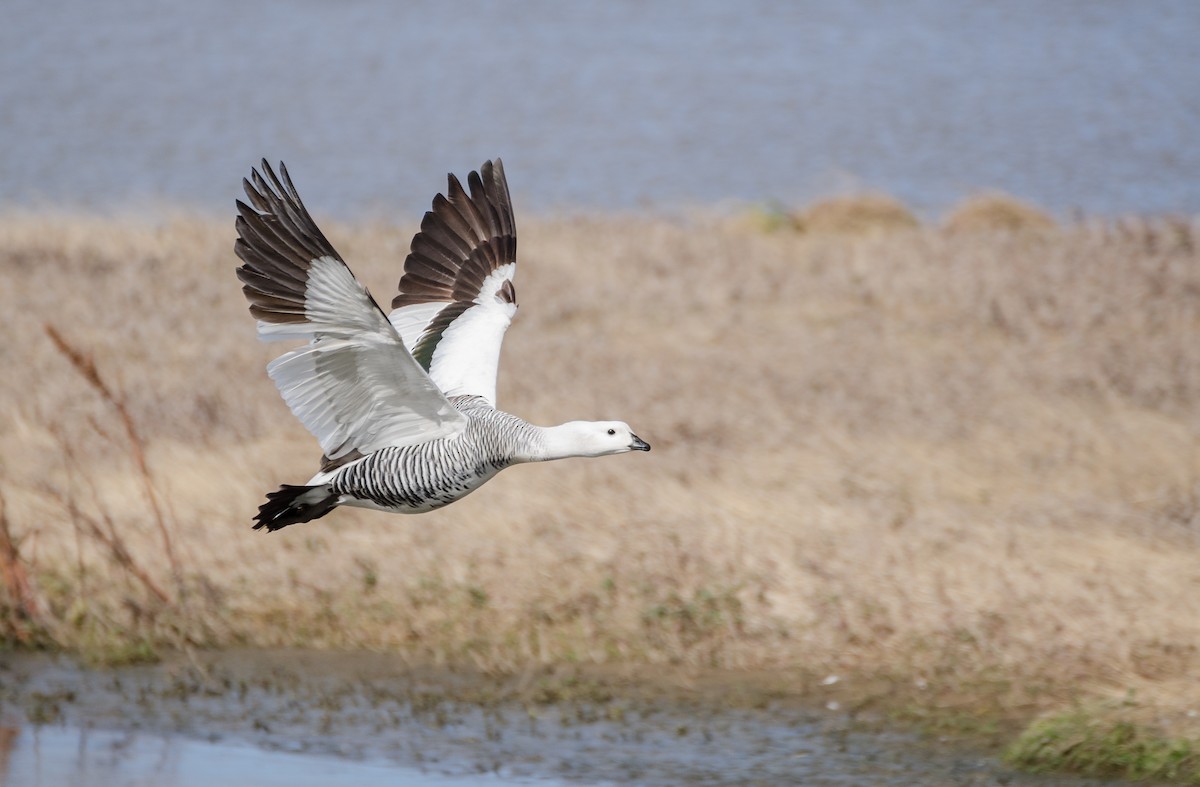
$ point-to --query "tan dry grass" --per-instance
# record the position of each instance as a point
(856, 215)
(969, 468)
(995, 211)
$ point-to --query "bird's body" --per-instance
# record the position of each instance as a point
(402, 404)
(417, 478)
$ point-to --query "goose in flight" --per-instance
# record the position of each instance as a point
(403, 404)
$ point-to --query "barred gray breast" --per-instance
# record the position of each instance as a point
(418, 478)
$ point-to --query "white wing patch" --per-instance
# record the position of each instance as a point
(466, 357)
(456, 298)
(494, 281)
(411, 321)
(355, 386)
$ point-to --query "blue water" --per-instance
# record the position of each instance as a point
(308, 719)
(60, 756)
(1075, 104)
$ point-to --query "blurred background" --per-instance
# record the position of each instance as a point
(621, 105)
(905, 296)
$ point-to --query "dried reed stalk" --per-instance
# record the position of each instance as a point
(115, 544)
(86, 366)
(16, 580)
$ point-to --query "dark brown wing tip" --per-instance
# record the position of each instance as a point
(466, 236)
(277, 243)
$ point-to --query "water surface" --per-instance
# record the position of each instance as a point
(324, 719)
(1076, 104)
(54, 756)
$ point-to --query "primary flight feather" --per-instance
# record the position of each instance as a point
(402, 404)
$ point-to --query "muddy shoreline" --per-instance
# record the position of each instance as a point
(647, 725)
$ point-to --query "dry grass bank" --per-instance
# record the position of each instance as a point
(957, 469)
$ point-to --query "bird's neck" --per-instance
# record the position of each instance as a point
(553, 442)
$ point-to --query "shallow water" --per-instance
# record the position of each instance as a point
(55, 756)
(308, 720)
(610, 105)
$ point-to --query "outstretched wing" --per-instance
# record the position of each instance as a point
(456, 296)
(355, 385)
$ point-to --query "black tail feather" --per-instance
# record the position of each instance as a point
(291, 505)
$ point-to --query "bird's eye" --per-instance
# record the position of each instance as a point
(612, 431)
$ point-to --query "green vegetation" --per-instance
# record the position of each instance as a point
(1095, 741)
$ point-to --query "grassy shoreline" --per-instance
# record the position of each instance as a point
(955, 466)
